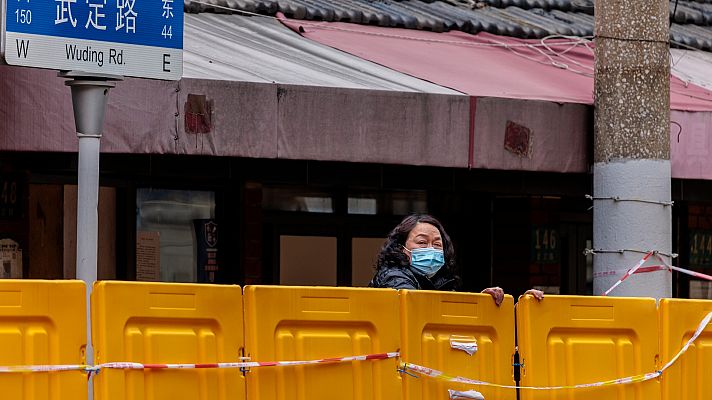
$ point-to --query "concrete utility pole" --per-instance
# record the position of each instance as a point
(631, 144)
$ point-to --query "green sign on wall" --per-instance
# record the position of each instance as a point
(545, 244)
(700, 248)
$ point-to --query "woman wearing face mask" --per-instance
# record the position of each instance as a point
(418, 254)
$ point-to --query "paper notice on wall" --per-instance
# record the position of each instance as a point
(470, 394)
(148, 256)
(10, 259)
(464, 343)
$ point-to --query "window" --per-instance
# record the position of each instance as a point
(404, 203)
(289, 199)
(167, 223)
(388, 203)
(363, 205)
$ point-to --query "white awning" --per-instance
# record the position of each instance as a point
(692, 66)
(261, 49)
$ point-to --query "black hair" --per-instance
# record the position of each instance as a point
(392, 256)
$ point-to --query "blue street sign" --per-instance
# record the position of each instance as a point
(141, 38)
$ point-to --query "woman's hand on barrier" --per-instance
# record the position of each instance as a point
(538, 294)
(497, 294)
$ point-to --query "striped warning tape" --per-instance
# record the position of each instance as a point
(247, 364)
(683, 270)
(143, 366)
(44, 368)
(639, 268)
(629, 273)
(433, 373)
(691, 273)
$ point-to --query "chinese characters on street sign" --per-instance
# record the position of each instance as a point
(140, 38)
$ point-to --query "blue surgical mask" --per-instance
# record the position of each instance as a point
(426, 260)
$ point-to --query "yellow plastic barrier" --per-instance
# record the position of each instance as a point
(42, 323)
(307, 323)
(568, 340)
(167, 323)
(688, 378)
(434, 323)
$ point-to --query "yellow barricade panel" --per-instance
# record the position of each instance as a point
(569, 340)
(434, 323)
(689, 377)
(42, 323)
(159, 323)
(308, 323)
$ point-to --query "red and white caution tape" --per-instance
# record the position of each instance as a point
(247, 364)
(142, 366)
(433, 373)
(685, 271)
(44, 368)
(650, 268)
(691, 273)
(641, 270)
(629, 273)
(701, 327)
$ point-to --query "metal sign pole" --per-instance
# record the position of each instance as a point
(89, 97)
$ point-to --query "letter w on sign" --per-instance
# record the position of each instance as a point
(22, 47)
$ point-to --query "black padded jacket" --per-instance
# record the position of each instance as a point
(405, 278)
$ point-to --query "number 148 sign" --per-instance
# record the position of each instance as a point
(140, 38)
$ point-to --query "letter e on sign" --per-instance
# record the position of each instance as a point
(166, 62)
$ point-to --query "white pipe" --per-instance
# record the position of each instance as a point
(89, 98)
(88, 221)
